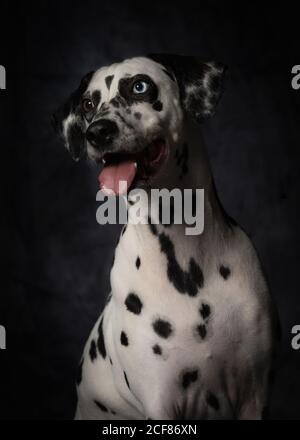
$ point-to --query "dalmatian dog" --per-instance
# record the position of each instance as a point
(188, 330)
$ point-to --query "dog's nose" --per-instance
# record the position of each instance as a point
(101, 133)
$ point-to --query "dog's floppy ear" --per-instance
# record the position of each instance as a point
(199, 82)
(69, 123)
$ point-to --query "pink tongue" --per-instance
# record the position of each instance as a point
(111, 176)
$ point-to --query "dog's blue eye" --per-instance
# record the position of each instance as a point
(140, 87)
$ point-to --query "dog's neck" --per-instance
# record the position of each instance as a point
(188, 168)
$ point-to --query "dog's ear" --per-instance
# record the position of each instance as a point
(69, 123)
(199, 82)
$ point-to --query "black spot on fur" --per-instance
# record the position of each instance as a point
(157, 349)
(93, 350)
(205, 311)
(122, 101)
(157, 106)
(184, 281)
(152, 227)
(133, 303)
(196, 273)
(124, 230)
(202, 331)
(115, 103)
(224, 272)
(79, 373)
(76, 140)
(96, 97)
(137, 115)
(126, 380)
(126, 87)
(101, 406)
(162, 328)
(128, 110)
(189, 377)
(138, 262)
(124, 339)
(100, 341)
(212, 401)
(108, 81)
(111, 362)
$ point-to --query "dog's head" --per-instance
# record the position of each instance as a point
(129, 115)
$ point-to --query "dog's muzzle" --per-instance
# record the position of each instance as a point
(101, 133)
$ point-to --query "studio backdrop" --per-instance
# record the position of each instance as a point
(56, 256)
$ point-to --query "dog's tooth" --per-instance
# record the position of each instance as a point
(103, 161)
(135, 164)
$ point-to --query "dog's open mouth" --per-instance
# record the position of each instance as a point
(130, 168)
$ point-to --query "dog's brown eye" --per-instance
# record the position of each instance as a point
(87, 105)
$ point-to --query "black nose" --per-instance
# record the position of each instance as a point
(101, 133)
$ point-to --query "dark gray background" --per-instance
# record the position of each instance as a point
(56, 257)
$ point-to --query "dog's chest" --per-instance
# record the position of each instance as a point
(183, 324)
